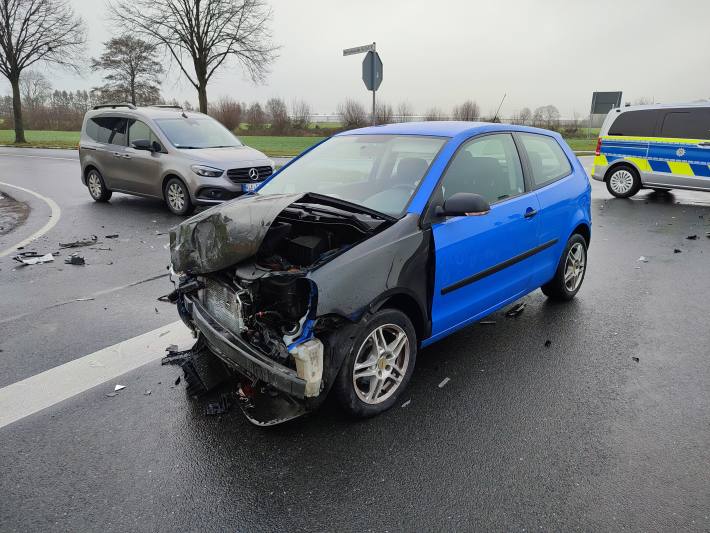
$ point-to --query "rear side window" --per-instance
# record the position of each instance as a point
(547, 160)
(636, 123)
(687, 124)
(107, 129)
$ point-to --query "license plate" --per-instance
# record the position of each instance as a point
(250, 187)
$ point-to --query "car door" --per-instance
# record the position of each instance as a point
(141, 168)
(109, 134)
(483, 262)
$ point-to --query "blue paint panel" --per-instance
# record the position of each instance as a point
(611, 158)
(701, 170)
(659, 166)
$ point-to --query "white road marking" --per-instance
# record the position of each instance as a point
(48, 388)
(40, 157)
(54, 218)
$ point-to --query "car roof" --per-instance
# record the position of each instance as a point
(441, 128)
(659, 106)
(149, 112)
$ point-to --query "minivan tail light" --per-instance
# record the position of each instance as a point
(598, 151)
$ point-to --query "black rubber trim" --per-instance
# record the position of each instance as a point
(498, 267)
(242, 356)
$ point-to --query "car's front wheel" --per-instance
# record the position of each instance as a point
(379, 364)
(97, 187)
(177, 197)
(623, 182)
(570, 271)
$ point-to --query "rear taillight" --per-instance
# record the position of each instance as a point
(598, 151)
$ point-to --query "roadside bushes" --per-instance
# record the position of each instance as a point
(352, 114)
(227, 111)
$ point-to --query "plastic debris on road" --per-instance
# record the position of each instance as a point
(548, 343)
(147, 392)
(443, 383)
(516, 310)
(487, 322)
(118, 388)
(405, 404)
(636, 359)
(114, 236)
(177, 381)
(75, 259)
(80, 243)
(33, 258)
(692, 237)
(677, 251)
(643, 259)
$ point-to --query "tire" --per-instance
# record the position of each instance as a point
(177, 197)
(97, 187)
(559, 289)
(378, 379)
(623, 181)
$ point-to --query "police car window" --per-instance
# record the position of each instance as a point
(488, 166)
(547, 160)
(687, 124)
(635, 123)
(107, 129)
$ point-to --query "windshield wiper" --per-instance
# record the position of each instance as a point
(339, 203)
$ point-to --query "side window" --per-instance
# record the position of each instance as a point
(547, 160)
(138, 130)
(687, 124)
(488, 166)
(635, 123)
(107, 129)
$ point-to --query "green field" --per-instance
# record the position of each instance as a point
(272, 146)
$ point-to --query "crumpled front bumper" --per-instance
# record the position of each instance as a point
(240, 355)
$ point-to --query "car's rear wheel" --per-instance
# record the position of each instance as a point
(177, 197)
(623, 182)
(379, 364)
(97, 187)
(570, 271)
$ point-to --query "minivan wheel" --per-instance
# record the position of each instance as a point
(97, 187)
(379, 364)
(623, 182)
(570, 271)
(177, 197)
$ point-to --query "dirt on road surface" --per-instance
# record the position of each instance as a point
(12, 213)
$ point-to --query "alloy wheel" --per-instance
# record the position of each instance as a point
(621, 181)
(176, 197)
(94, 183)
(575, 264)
(381, 364)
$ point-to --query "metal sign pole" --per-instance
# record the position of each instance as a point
(374, 90)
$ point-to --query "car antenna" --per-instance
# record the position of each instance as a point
(495, 117)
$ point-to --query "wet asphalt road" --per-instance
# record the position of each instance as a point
(577, 435)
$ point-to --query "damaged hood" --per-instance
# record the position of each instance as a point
(225, 234)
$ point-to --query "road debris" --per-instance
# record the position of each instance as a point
(80, 243)
(147, 392)
(111, 394)
(636, 359)
(156, 310)
(177, 381)
(643, 259)
(118, 388)
(405, 404)
(220, 407)
(692, 237)
(516, 310)
(677, 251)
(75, 259)
(84, 299)
(548, 343)
(114, 236)
(33, 258)
(443, 383)
(488, 322)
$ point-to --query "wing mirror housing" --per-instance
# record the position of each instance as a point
(464, 204)
(142, 144)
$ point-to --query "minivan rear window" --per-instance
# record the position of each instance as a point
(640, 123)
(687, 124)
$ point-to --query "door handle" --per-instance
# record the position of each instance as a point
(530, 212)
(126, 156)
(116, 154)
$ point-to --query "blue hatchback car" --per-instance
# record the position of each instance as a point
(371, 245)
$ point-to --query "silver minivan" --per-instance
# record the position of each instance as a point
(184, 158)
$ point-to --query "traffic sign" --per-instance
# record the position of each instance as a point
(359, 49)
(372, 71)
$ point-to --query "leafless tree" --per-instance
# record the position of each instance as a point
(643, 100)
(227, 111)
(524, 116)
(203, 35)
(434, 113)
(132, 72)
(467, 111)
(300, 114)
(404, 112)
(384, 114)
(352, 114)
(277, 114)
(33, 31)
(550, 116)
(256, 117)
(35, 89)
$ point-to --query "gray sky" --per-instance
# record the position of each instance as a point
(438, 53)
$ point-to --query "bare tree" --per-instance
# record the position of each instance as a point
(524, 116)
(300, 114)
(404, 112)
(277, 113)
(35, 89)
(202, 35)
(548, 115)
(384, 114)
(33, 31)
(434, 113)
(352, 114)
(132, 73)
(643, 100)
(227, 111)
(467, 111)
(256, 116)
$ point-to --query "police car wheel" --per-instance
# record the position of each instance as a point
(623, 182)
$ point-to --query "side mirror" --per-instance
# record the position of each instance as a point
(464, 204)
(155, 145)
(142, 144)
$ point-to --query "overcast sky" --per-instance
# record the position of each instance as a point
(438, 53)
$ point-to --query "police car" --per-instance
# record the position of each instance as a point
(656, 147)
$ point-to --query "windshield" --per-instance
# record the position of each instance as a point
(203, 132)
(380, 172)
